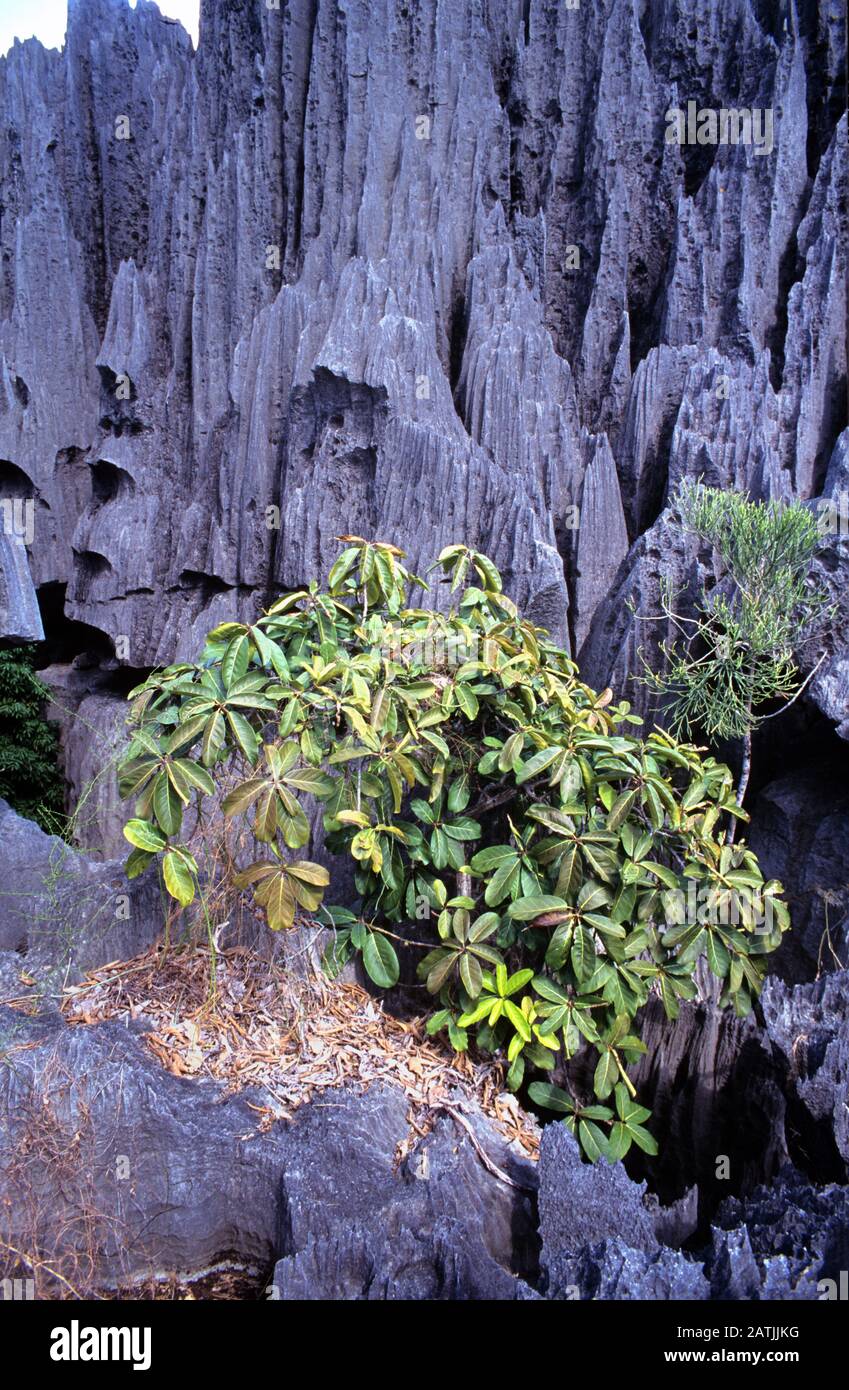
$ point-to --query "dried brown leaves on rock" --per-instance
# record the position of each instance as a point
(247, 1023)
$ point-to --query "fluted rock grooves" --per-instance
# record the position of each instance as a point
(333, 258)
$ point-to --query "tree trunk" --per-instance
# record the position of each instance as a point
(745, 769)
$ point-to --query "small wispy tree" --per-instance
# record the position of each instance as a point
(727, 665)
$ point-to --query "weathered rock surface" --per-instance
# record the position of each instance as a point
(601, 1238)
(20, 619)
(780, 1242)
(114, 1168)
(357, 1224)
(162, 1173)
(810, 1027)
(101, 1144)
(580, 1204)
(420, 273)
(598, 1232)
(62, 914)
(92, 727)
(800, 833)
(427, 273)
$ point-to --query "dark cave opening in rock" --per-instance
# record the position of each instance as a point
(14, 482)
(66, 639)
(109, 481)
(121, 679)
(207, 585)
(798, 737)
(457, 330)
(790, 271)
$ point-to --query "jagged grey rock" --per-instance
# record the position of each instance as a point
(830, 685)
(427, 273)
(417, 274)
(600, 1237)
(93, 735)
(172, 1175)
(810, 1025)
(612, 1269)
(780, 1242)
(357, 1224)
(20, 619)
(599, 1231)
(800, 833)
(161, 1174)
(581, 1204)
(62, 914)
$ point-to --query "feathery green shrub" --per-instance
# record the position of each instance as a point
(30, 776)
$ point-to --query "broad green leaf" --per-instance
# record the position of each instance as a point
(551, 1097)
(484, 926)
(467, 700)
(525, 909)
(606, 1075)
(593, 1140)
(511, 753)
(213, 738)
(618, 1143)
(312, 780)
(137, 861)
(276, 896)
(167, 805)
(487, 859)
(380, 960)
(537, 764)
(504, 882)
(178, 878)
(314, 874)
(196, 776)
(241, 798)
(443, 967)
(621, 808)
(548, 989)
(471, 975)
(243, 734)
(234, 662)
(144, 836)
(643, 1139)
(583, 954)
(517, 1018)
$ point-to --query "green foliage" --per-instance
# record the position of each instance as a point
(482, 791)
(30, 779)
(737, 654)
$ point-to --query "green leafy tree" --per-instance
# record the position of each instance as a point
(30, 777)
(731, 661)
(484, 792)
